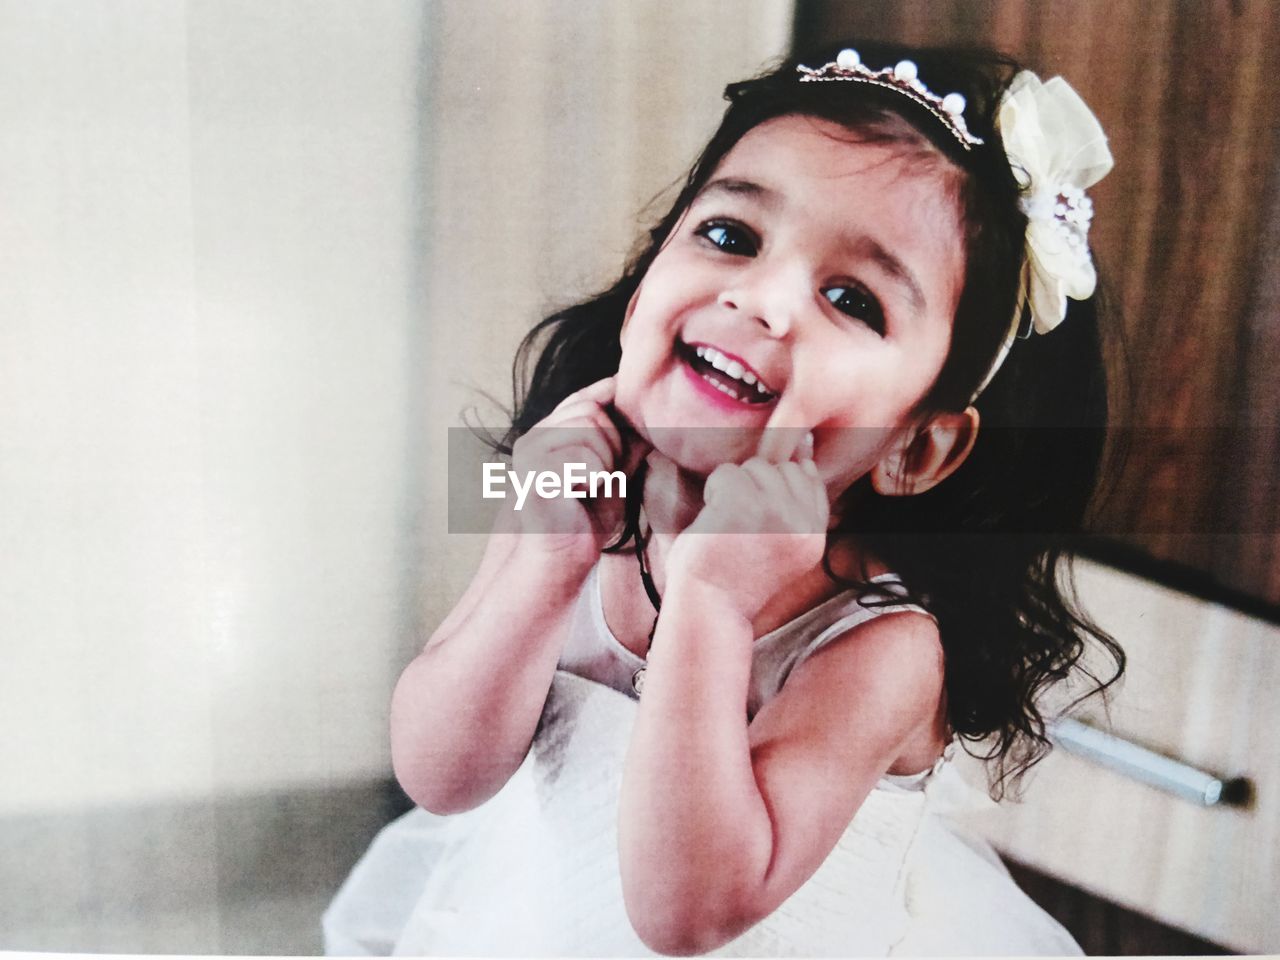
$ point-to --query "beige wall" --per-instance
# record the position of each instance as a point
(254, 256)
(208, 285)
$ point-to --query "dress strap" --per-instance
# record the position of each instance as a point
(888, 586)
(784, 648)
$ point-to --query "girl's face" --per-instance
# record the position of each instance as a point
(824, 270)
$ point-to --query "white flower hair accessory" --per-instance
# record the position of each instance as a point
(1056, 149)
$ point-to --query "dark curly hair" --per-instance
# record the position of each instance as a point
(987, 552)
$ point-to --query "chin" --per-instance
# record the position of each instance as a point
(699, 450)
(694, 436)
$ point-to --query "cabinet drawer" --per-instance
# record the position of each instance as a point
(1202, 686)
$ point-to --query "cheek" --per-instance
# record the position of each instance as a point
(626, 317)
(857, 388)
(852, 450)
(647, 335)
(645, 356)
(626, 393)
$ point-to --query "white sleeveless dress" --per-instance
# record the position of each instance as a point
(534, 871)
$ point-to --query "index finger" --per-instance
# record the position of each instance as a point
(600, 392)
(782, 441)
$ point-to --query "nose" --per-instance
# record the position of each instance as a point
(771, 297)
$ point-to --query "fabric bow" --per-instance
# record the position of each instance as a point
(1056, 149)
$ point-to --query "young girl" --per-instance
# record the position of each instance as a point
(852, 476)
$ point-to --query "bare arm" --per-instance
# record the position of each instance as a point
(465, 710)
(720, 821)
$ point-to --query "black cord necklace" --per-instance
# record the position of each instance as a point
(646, 578)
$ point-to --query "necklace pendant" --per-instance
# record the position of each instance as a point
(637, 681)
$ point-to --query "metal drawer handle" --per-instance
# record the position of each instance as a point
(1147, 766)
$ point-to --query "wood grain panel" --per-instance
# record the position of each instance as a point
(1104, 929)
(1203, 685)
(1182, 90)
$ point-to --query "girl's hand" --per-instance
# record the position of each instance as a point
(583, 429)
(762, 525)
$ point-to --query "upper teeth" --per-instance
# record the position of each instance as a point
(732, 367)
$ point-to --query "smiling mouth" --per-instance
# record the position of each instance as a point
(726, 374)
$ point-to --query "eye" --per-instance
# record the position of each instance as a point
(730, 237)
(859, 303)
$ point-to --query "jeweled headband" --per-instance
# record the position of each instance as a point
(903, 77)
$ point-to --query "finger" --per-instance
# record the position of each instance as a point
(798, 482)
(822, 498)
(601, 446)
(571, 431)
(577, 410)
(568, 427)
(767, 477)
(804, 452)
(777, 444)
(559, 446)
(719, 482)
(782, 436)
(580, 415)
(822, 501)
(804, 456)
(807, 490)
(606, 428)
(599, 393)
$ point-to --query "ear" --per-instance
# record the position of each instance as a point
(927, 456)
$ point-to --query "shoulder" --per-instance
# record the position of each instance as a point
(875, 688)
(895, 657)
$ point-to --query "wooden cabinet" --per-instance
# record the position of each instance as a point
(1186, 234)
(1203, 685)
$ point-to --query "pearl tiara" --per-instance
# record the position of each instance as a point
(902, 77)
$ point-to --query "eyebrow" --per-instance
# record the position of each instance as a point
(862, 246)
(897, 270)
(742, 188)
